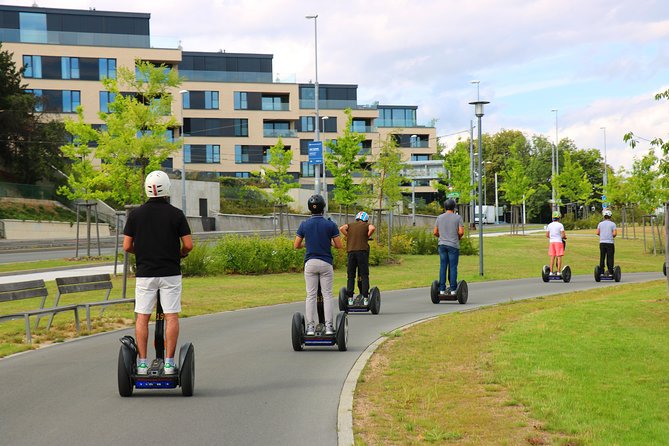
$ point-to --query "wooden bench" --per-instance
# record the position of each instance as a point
(29, 289)
(79, 284)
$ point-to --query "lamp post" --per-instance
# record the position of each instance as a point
(413, 191)
(325, 184)
(606, 170)
(471, 156)
(317, 167)
(183, 155)
(555, 170)
(478, 111)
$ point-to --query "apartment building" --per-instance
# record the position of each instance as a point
(232, 110)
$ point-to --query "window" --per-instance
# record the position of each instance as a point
(69, 67)
(57, 101)
(241, 100)
(307, 123)
(71, 100)
(365, 147)
(307, 170)
(106, 98)
(276, 103)
(142, 76)
(32, 27)
(304, 146)
(201, 100)
(107, 68)
(243, 174)
(216, 127)
(241, 127)
(250, 154)
(420, 157)
(32, 67)
(208, 153)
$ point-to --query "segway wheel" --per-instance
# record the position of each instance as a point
(125, 386)
(187, 372)
(375, 300)
(297, 332)
(598, 274)
(342, 331)
(664, 269)
(617, 273)
(343, 300)
(462, 292)
(434, 292)
(566, 274)
(545, 271)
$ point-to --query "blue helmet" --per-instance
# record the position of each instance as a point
(362, 216)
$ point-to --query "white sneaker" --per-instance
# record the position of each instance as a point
(559, 273)
(350, 301)
(453, 292)
(329, 329)
(142, 368)
(365, 301)
(311, 330)
(169, 369)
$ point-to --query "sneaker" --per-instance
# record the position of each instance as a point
(311, 330)
(453, 292)
(443, 293)
(169, 368)
(329, 329)
(350, 301)
(365, 301)
(559, 273)
(142, 368)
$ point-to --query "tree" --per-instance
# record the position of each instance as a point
(644, 182)
(517, 184)
(343, 161)
(132, 140)
(572, 182)
(29, 143)
(280, 181)
(458, 171)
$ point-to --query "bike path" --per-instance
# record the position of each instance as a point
(251, 388)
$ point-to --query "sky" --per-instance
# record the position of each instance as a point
(599, 63)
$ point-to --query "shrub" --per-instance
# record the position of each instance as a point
(570, 223)
(254, 255)
(198, 261)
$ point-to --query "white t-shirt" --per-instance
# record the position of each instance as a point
(554, 230)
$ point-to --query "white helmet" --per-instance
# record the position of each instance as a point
(157, 184)
(607, 213)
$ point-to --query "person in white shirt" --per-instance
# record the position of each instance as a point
(606, 230)
(556, 236)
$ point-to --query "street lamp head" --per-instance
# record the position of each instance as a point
(183, 91)
(325, 117)
(478, 107)
(311, 16)
(554, 109)
(474, 82)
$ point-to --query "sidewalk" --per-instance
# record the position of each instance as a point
(52, 274)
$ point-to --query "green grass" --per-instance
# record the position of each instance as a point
(578, 369)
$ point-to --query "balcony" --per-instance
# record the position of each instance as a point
(363, 128)
(326, 104)
(82, 39)
(400, 123)
(275, 133)
(226, 76)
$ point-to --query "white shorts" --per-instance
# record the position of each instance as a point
(146, 292)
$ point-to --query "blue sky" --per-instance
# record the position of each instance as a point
(598, 62)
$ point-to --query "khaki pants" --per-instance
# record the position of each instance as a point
(315, 270)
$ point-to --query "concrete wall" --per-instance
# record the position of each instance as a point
(195, 190)
(33, 230)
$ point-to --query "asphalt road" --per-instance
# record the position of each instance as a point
(251, 387)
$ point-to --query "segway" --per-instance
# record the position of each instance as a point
(605, 275)
(319, 339)
(461, 293)
(358, 304)
(547, 275)
(128, 379)
(664, 269)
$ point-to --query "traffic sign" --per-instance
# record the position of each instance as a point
(315, 152)
(453, 195)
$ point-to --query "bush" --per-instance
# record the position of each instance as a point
(255, 255)
(570, 223)
(198, 261)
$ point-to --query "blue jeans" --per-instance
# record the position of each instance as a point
(448, 257)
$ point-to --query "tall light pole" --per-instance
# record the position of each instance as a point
(478, 96)
(317, 167)
(606, 170)
(471, 155)
(555, 160)
(183, 155)
(478, 111)
(325, 184)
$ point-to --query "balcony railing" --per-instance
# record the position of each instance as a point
(276, 107)
(334, 104)
(226, 76)
(84, 39)
(363, 128)
(275, 133)
(380, 122)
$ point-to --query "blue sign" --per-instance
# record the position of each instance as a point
(316, 152)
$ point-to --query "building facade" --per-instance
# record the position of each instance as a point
(231, 109)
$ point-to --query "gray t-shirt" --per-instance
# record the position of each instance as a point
(448, 224)
(606, 228)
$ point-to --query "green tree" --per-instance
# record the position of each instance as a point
(386, 177)
(457, 176)
(132, 141)
(29, 142)
(644, 182)
(517, 185)
(572, 182)
(343, 160)
(280, 181)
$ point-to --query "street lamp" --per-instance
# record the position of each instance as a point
(478, 97)
(478, 111)
(606, 170)
(471, 157)
(325, 185)
(317, 167)
(555, 169)
(183, 155)
(413, 192)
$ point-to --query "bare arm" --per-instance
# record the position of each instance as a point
(548, 234)
(186, 245)
(344, 229)
(461, 232)
(615, 232)
(370, 230)
(297, 243)
(598, 231)
(336, 241)
(436, 231)
(128, 245)
(564, 236)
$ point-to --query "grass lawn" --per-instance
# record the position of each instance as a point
(574, 369)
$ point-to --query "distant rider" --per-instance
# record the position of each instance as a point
(357, 245)
(318, 234)
(449, 229)
(607, 231)
(556, 236)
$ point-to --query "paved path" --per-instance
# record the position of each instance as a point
(251, 387)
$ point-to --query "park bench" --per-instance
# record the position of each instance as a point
(79, 284)
(29, 289)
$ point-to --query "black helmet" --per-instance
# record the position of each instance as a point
(316, 204)
(449, 204)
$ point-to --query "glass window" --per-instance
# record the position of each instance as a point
(420, 157)
(32, 27)
(107, 68)
(241, 100)
(71, 100)
(307, 123)
(186, 99)
(106, 98)
(241, 127)
(211, 100)
(306, 169)
(33, 67)
(39, 106)
(69, 67)
(187, 153)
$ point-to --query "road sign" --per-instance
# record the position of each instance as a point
(315, 152)
(453, 195)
